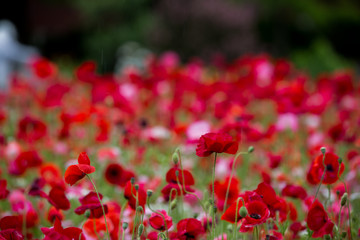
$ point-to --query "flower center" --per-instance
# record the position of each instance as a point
(329, 168)
(255, 216)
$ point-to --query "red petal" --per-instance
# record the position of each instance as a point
(73, 174)
(83, 158)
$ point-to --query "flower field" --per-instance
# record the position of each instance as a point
(251, 149)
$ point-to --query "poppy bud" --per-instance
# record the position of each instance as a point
(140, 229)
(243, 212)
(132, 180)
(323, 150)
(344, 199)
(149, 193)
(173, 204)
(140, 209)
(137, 187)
(87, 213)
(251, 149)
(343, 234)
(176, 173)
(175, 158)
(125, 225)
(340, 160)
(327, 237)
(338, 192)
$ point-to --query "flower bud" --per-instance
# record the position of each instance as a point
(243, 212)
(140, 209)
(327, 237)
(125, 225)
(132, 180)
(323, 150)
(175, 158)
(344, 199)
(343, 234)
(87, 213)
(173, 204)
(140, 229)
(177, 173)
(136, 187)
(149, 193)
(340, 160)
(251, 149)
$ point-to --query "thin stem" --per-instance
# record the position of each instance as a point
(170, 198)
(228, 187)
(187, 192)
(102, 206)
(339, 223)
(213, 227)
(95, 230)
(120, 217)
(135, 219)
(236, 215)
(322, 178)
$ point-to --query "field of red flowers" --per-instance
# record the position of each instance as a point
(252, 149)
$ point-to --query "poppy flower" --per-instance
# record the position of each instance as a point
(58, 199)
(294, 192)
(11, 234)
(267, 193)
(117, 175)
(156, 220)
(43, 68)
(76, 172)
(184, 178)
(189, 228)
(318, 220)
(3, 191)
(221, 189)
(332, 172)
(91, 202)
(130, 192)
(232, 214)
(216, 142)
(58, 232)
(53, 213)
(31, 129)
(258, 212)
(23, 161)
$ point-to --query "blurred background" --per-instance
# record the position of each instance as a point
(317, 35)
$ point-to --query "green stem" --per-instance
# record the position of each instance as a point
(135, 218)
(213, 227)
(95, 230)
(185, 191)
(102, 206)
(236, 214)
(322, 178)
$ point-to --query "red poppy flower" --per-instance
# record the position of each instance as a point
(3, 191)
(189, 228)
(216, 142)
(23, 161)
(130, 192)
(91, 202)
(58, 198)
(116, 174)
(53, 213)
(257, 213)
(55, 94)
(221, 189)
(267, 193)
(318, 220)
(187, 180)
(31, 129)
(76, 172)
(43, 68)
(232, 213)
(332, 172)
(58, 232)
(11, 234)
(157, 220)
(294, 192)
